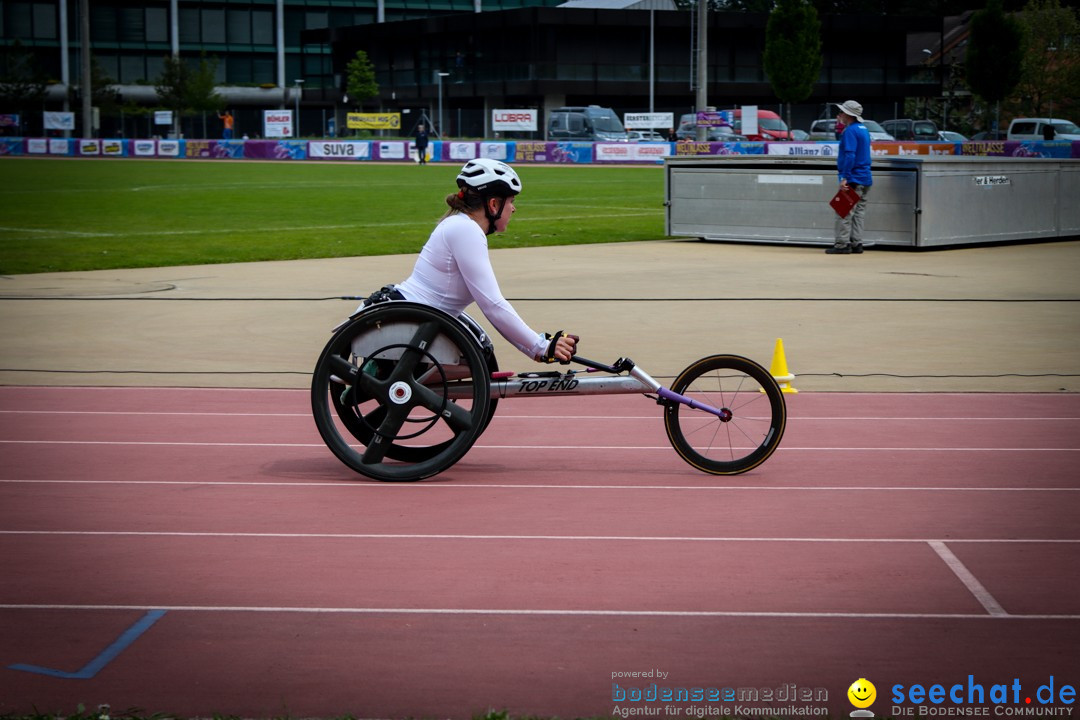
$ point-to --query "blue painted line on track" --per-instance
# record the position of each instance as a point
(106, 656)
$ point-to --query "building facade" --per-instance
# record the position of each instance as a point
(473, 55)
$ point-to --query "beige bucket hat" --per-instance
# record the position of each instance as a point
(852, 108)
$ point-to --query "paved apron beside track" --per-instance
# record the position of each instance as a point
(997, 318)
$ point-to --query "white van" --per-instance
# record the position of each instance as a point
(1034, 129)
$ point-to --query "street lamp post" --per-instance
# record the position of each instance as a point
(296, 130)
(439, 76)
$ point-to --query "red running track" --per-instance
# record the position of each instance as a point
(907, 539)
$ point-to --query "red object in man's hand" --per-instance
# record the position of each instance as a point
(844, 200)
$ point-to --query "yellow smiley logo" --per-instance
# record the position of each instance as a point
(862, 693)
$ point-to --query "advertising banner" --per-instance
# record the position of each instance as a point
(632, 152)
(143, 148)
(113, 148)
(795, 149)
(373, 121)
(163, 117)
(277, 123)
(59, 121)
(496, 150)
(89, 147)
(340, 150)
(719, 148)
(461, 150)
(60, 146)
(11, 146)
(37, 146)
(168, 148)
(514, 120)
(749, 120)
(9, 120)
(649, 121)
(715, 119)
(570, 152)
(391, 150)
(274, 149)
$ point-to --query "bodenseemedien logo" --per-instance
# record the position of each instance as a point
(862, 694)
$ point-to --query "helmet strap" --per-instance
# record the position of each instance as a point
(492, 219)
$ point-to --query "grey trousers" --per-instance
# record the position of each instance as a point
(849, 229)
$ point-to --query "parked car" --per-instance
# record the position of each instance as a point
(800, 135)
(770, 126)
(877, 133)
(585, 123)
(988, 135)
(826, 130)
(950, 136)
(908, 129)
(1037, 129)
(645, 136)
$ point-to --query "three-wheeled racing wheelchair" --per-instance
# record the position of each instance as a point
(403, 390)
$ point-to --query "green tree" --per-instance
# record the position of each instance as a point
(182, 88)
(171, 87)
(360, 82)
(1050, 70)
(994, 54)
(22, 81)
(792, 58)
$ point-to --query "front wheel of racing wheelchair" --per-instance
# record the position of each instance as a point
(402, 390)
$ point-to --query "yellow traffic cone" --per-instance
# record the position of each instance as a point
(779, 369)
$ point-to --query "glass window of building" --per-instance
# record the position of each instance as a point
(189, 25)
(157, 24)
(239, 70)
(44, 21)
(213, 25)
(18, 20)
(262, 27)
(132, 25)
(294, 25)
(109, 64)
(102, 23)
(262, 69)
(155, 65)
(240, 27)
(132, 69)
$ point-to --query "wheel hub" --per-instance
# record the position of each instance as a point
(400, 393)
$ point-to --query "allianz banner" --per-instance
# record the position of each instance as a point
(374, 121)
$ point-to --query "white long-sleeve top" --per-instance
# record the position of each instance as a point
(454, 270)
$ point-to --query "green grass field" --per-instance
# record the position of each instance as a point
(80, 214)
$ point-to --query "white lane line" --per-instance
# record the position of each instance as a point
(156, 443)
(539, 612)
(530, 538)
(965, 576)
(534, 486)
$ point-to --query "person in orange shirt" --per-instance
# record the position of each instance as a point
(227, 120)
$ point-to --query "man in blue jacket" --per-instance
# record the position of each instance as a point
(853, 167)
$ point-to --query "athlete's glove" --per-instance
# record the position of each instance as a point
(549, 354)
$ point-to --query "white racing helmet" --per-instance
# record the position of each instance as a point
(489, 178)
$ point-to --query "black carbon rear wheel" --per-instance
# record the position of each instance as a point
(381, 392)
